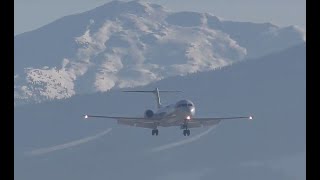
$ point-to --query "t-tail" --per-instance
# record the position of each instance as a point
(156, 92)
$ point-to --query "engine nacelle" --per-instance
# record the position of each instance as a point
(148, 114)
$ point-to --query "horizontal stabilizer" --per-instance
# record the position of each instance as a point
(156, 92)
(151, 91)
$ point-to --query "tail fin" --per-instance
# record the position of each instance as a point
(156, 92)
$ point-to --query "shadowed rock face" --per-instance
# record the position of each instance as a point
(272, 146)
(129, 44)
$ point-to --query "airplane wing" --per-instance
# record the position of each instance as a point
(200, 122)
(130, 121)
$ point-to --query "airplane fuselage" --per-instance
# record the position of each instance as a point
(178, 112)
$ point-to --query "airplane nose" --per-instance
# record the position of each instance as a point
(190, 109)
(187, 110)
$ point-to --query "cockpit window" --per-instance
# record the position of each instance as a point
(184, 105)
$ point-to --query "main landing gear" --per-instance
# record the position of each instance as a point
(155, 132)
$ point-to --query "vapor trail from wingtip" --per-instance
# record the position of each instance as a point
(67, 145)
(179, 143)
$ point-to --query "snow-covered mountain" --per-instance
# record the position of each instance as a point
(128, 44)
(52, 141)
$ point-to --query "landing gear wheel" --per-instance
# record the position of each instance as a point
(155, 132)
(186, 132)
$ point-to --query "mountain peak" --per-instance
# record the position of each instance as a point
(129, 7)
(127, 44)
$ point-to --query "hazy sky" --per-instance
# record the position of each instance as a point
(32, 14)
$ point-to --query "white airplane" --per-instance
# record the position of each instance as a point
(179, 114)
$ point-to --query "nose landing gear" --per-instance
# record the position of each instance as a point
(186, 131)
